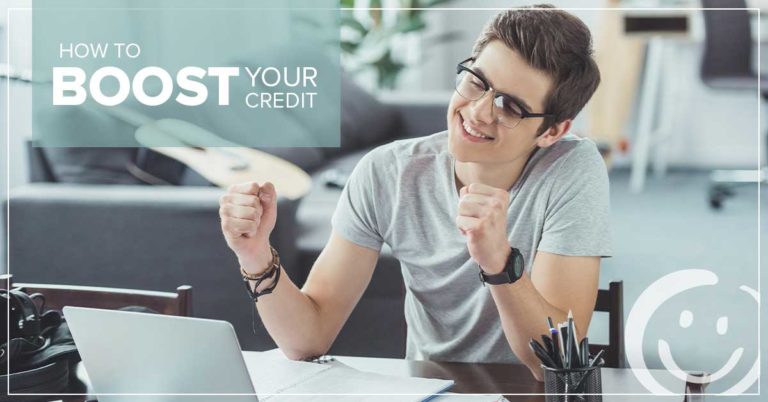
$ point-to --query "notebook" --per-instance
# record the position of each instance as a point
(278, 379)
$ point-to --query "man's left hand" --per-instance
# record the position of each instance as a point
(482, 218)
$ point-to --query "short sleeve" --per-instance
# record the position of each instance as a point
(577, 218)
(355, 217)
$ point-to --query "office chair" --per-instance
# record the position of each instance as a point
(611, 301)
(727, 65)
(58, 296)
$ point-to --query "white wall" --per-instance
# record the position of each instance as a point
(15, 34)
(16, 45)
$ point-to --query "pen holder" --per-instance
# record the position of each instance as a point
(573, 385)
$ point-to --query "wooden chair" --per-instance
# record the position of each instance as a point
(58, 296)
(611, 301)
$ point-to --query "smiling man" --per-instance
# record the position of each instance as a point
(498, 223)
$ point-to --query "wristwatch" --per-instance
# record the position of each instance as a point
(513, 270)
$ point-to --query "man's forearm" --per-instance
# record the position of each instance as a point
(524, 313)
(292, 319)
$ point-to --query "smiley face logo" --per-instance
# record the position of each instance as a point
(646, 305)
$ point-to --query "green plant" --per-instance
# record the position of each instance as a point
(367, 38)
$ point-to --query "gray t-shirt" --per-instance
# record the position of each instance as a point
(404, 194)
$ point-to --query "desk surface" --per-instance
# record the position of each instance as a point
(511, 380)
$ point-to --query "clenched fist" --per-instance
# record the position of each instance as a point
(248, 213)
(482, 218)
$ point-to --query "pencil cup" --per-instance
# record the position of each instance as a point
(573, 385)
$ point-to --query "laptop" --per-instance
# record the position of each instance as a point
(167, 355)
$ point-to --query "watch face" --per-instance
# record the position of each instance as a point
(518, 265)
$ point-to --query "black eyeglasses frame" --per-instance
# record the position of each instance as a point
(525, 113)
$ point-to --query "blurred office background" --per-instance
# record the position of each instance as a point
(663, 127)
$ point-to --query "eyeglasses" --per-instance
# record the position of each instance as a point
(471, 86)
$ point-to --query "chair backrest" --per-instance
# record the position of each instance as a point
(611, 301)
(728, 40)
(58, 296)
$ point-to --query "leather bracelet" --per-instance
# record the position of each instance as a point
(273, 271)
(255, 277)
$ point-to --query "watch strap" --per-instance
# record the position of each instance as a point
(496, 279)
(506, 276)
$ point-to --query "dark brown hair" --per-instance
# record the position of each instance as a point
(555, 42)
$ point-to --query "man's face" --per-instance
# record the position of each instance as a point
(508, 73)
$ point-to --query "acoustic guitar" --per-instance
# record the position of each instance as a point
(224, 164)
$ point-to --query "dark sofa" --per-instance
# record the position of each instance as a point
(159, 237)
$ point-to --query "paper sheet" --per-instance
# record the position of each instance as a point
(273, 373)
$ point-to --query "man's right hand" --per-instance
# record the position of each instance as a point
(248, 214)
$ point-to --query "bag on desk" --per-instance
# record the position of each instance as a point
(40, 350)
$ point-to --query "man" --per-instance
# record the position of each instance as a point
(503, 189)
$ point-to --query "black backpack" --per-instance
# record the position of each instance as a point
(40, 352)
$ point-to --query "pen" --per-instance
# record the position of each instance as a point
(565, 339)
(556, 343)
(573, 355)
(571, 324)
(585, 352)
(538, 350)
(547, 342)
(556, 348)
(596, 359)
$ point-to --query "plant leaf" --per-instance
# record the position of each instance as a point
(348, 46)
(351, 22)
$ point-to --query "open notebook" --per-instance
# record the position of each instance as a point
(278, 379)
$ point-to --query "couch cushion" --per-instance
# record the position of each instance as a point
(111, 166)
(91, 165)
